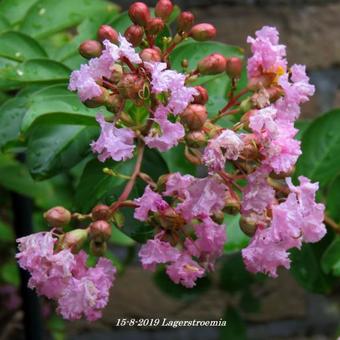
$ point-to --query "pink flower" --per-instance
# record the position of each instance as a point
(185, 271)
(150, 201)
(177, 184)
(263, 122)
(169, 136)
(268, 54)
(156, 251)
(258, 194)
(202, 198)
(264, 254)
(227, 145)
(127, 51)
(89, 293)
(113, 142)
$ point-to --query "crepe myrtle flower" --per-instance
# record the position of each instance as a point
(245, 152)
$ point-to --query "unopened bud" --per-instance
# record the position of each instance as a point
(218, 217)
(212, 64)
(170, 219)
(250, 149)
(100, 230)
(164, 9)
(248, 225)
(99, 100)
(246, 105)
(155, 26)
(106, 32)
(234, 67)
(100, 212)
(194, 116)
(150, 54)
(161, 183)
(117, 73)
(264, 80)
(134, 34)
(73, 240)
(185, 63)
(196, 139)
(90, 49)
(98, 248)
(130, 85)
(192, 156)
(114, 103)
(139, 13)
(185, 21)
(57, 217)
(202, 32)
(202, 97)
(232, 206)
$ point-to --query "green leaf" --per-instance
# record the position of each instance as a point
(195, 51)
(320, 159)
(236, 239)
(120, 239)
(4, 24)
(15, 10)
(10, 273)
(177, 162)
(121, 22)
(178, 291)
(36, 71)
(49, 16)
(6, 232)
(333, 199)
(19, 46)
(236, 326)
(56, 148)
(330, 261)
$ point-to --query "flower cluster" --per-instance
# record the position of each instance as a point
(244, 170)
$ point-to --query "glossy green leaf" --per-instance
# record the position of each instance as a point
(333, 199)
(4, 24)
(55, 148)
(49, 16)
(15, 10)
(177, 162)
(9, 273)
(6, 232)
(120, 239)
(331, 258)
(320, 159)
(19, 46)
(236, 239)
(121, 22)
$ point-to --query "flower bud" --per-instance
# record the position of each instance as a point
(90, 49)
(164, 9)
(130, 85)
(99, 100)
(232, 206)
(248, 225)
(170, 219)
(106, 32)
(114, 103)
(192, 156)
(155, 26)
(161, 183)
(57, 217)
(246, 105)
(196, 139)
(139, 13)
(250, 149)
(212, 64)
(150, 54)
(101, 212)
(202, 32)
(98, 248)
(185, 63)
(185, 21)
(117, 73)
(100, 230)
(218, 217)
(202, 96)
(134, 34)
(73, 240)
(234, 67)
(194, 116)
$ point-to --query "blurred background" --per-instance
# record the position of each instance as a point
(254, 307)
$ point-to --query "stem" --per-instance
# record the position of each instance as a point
(330, 222)
(222, 114)
(233, 100)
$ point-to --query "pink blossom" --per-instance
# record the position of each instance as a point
(177, 184)
(226, 145)
(185, 271)
(156, 251)
(113, 142)
(202, 198)
(268, 54)
(150, 201)
(258, 194)
(127, 51)
(263, 122)
(89, 293)
(169, 136)
(265, 254)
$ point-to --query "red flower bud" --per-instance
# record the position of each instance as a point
(202, 32)
(106, 32)
(234, 67)
(130, 85)
(155, 26)
(100, 231)
(196, 139)
(212, 64)
(139, 13)
(90, 49)
(185, 21)
(164, 9)
(134, 34)
(194, 116)
(151, 54)
(101, 212)
(202, 96)
(57, 217)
